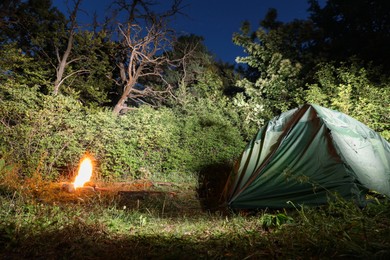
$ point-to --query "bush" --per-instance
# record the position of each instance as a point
(210, 133)
(48, 134)
(351, 90)
(40, 130)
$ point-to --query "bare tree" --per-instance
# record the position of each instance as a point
(142, 10)
(63, 61)
(140, 59)
(144, 40)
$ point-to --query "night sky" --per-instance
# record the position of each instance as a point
(215, 20)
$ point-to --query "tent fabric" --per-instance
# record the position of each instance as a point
(307, 155)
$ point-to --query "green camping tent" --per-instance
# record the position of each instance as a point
(307, 155)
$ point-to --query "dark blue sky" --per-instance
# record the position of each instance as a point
(217, 20)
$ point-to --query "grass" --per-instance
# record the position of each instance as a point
(39, 220)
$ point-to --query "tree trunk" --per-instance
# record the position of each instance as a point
(63, 62)
(120, 105)
(60, 72)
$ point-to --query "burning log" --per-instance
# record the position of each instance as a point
(70, 188)
(82, 178)
(134, 190)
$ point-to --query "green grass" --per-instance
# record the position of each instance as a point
(39, 220)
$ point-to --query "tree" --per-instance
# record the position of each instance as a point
(353, 28)
(81, 59)
(63, 60)
(194, 76)
(198, 75)
(17, 67)
(138, 59)
(90, 75)
(26, 22)
(7, 18)
(77, 55)
(77, 60)
(284, 56)
(23, 25)
(144, 38)
(295, 40)
(274, 86)
(338, 31)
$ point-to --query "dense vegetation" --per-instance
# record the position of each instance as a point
(150, 104)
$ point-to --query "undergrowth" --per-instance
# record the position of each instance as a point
(40, 220)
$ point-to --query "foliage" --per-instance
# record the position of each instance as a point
(349, 89)
(38, 130)
(343, 32)
(201, 89)
(334, 32)
(209, 134)
(17, 67)
(275, 87)
(88, 76)
(28, 23)
(275, 220)
(49, 134)
(282, 56)
(198, 75)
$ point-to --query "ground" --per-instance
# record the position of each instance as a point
(146, 219)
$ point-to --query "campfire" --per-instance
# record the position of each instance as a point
(136, 188)
(84, 173)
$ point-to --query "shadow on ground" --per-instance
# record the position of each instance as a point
(212, 180)
(83, 242)
(80, 241)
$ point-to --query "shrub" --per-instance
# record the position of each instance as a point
(48, 134)
(351, 90)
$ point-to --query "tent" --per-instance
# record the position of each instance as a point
(306, 156)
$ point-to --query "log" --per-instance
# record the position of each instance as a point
(144, 194)
(69, 187)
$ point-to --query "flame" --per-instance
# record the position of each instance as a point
(84, 174)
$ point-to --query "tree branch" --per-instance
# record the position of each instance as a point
(71, 74)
